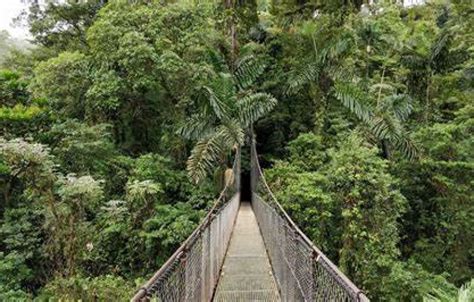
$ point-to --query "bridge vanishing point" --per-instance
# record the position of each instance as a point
(245, 251)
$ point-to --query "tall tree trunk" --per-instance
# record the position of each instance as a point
(229, 6)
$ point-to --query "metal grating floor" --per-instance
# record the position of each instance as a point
(246, 273)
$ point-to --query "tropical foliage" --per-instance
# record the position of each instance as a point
(363, 116)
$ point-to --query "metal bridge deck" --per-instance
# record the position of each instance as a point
(246, 274)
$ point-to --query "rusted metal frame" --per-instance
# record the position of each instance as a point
(358, 293)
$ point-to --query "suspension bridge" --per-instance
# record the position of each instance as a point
(248, 251)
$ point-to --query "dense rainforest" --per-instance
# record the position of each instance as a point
(117, 125)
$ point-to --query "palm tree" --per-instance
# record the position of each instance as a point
(230, 105)
(384, 120)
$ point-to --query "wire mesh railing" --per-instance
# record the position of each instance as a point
(301, 270)
(192, 272)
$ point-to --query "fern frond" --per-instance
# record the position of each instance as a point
(254, 106)
(247, 71)
(352, 98)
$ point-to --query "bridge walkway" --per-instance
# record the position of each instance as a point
(246, 273)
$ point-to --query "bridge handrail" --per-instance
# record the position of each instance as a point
(319, 255)
(180, 253)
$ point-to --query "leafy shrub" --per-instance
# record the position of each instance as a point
(103, 288)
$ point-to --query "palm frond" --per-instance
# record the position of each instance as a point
(219, 106)
(386, 127)
(406, 146)
(215, 58)
(196, 127)
(414, 61)
(464, 294)
(440, 45)
(340, 46)
(401, 105)
(232, 133)
(254, 106)
(386, 124)
(307, 74)
(209, 150)
(204, 156)
(248, 70)
(352, 98)
(339, 74)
